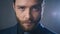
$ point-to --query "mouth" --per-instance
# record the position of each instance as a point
(28, 23)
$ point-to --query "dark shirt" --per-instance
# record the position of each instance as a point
(18, 30)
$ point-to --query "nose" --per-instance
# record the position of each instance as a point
(27, 14)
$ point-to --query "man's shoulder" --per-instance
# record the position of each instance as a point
(47, 31)
(11, 30)
(44, 30)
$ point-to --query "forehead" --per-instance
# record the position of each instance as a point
(26, 2)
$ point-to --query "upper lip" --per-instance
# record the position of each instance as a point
(28, 22)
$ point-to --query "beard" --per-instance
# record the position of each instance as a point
(32, 23)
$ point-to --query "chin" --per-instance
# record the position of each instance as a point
(28, 28)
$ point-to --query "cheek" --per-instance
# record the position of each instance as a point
(36, 15)
(19, 14)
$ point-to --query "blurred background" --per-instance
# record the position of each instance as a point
(51, 16)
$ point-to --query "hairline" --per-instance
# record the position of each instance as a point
(39, 1)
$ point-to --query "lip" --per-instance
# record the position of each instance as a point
(27, 23)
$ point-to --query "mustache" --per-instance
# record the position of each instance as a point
(26, 21)
(29, 21)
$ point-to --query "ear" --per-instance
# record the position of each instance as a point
(13, 6)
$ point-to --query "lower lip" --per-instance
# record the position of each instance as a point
(27, 23)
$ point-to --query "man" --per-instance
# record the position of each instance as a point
(28, 14)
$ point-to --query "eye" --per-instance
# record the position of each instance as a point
(21, 8)
(36, 8)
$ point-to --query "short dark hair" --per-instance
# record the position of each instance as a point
(40, 1)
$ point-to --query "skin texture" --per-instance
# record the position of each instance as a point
(28, 13)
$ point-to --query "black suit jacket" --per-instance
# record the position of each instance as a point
(17, 30)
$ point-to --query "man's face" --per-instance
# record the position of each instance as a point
(28, 12)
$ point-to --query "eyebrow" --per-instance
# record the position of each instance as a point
(36, 5)
(21, 6)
